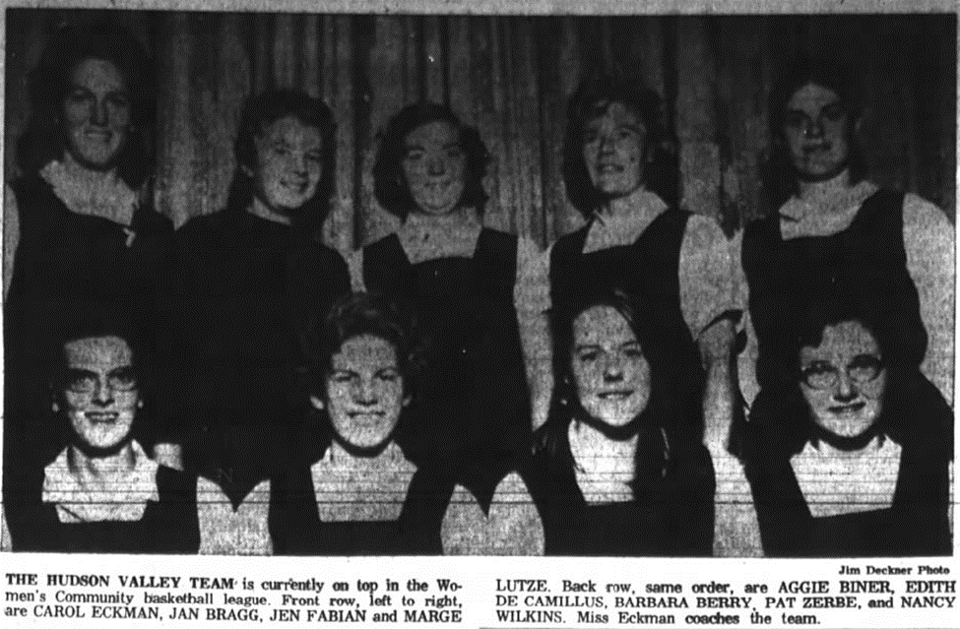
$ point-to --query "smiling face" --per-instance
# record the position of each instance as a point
(289, 164)
(610, 372)
(99, 393)
(96, 114)
(843, 379)
(364, 391)
(614, 150)
(817, 130)
(434, 167)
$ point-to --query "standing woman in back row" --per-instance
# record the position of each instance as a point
(247, 283)
(473, 290)
(833, 230)
(621, 173)
(80, 227)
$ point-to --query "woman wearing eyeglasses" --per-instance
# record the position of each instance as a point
(851, 468)
(103, 493)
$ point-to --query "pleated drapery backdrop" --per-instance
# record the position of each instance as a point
(511, 77)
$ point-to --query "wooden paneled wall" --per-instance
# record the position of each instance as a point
(511, 76)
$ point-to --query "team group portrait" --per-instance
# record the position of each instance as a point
(306, 284)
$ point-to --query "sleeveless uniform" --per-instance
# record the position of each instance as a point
(169, 524)
(64, 262)
(471, 406)
(670, 513)
(646, 269)
(866, 262)
(297, 528)
(866, 259)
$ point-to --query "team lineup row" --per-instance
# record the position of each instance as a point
(236, 386)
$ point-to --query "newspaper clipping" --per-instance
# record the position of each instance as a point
(486, 315)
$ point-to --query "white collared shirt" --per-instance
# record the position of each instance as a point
(123, 500)
(104, 196)
(361, 489)
(928, 239)
(455, 235)
(837, 483)
(708, 273)
(604, 467)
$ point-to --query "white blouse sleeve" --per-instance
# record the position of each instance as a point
(531, 291)
(11, 235)
(928, 238)
(6, 544)
(708, 274)
(354, 261)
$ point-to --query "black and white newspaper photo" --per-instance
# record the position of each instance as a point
(482, 315)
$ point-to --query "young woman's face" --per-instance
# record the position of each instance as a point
(96, 114)
(843, 379)
(99, 394)
(817, 130)
(289, 164)
(610, 372)
(614, 148)
(364, 391)
(434, 167)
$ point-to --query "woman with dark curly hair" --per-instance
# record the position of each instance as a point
(617, 470)
(80, 226)
(473, 289)
(363, 496)
(853, 459)
(245, 285)
(621, 172)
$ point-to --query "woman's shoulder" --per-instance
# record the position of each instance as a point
(32, 193)
(320, 254)
(29, 184)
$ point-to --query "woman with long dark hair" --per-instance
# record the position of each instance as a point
(618, 470)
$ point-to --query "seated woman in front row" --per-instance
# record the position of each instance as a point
(103, 493)
(617, 470)
(363, 497)
(855, 461)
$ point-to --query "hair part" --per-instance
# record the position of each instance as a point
(657, 424)
(389, 185)
(50, 82)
